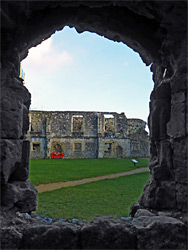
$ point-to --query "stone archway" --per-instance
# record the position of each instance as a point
(56, 147)
(157, 32)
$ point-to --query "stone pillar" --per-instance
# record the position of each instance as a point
(167, 188)
(17, 192)
(100, 133)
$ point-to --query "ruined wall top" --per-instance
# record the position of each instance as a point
(60, 123)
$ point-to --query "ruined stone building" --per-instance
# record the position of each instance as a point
(157, 30)
(86, 135)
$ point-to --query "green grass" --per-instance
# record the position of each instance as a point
(112, 197)
(55, 170)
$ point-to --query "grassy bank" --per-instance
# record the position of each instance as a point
(61, 170)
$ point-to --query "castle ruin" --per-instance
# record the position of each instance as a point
(86, 135)
(157, 30)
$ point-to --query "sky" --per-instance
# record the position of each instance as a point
(87, 72)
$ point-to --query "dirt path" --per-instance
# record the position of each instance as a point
(53, 186)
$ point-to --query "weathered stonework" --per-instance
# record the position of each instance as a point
(86, 135)
(157, 30)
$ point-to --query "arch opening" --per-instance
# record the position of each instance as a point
(78, 124)
(107, 30)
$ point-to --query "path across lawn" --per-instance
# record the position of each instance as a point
(53, 186)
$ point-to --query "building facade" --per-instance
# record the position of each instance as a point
(86, 135)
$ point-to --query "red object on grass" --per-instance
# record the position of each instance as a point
(57, 155)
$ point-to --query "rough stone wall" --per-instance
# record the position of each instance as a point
(17, 192)
(144, 233)
(98, 136)
(157, 31)
(137, 134)
(168, 125)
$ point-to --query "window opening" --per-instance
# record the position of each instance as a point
(72, 96)
(36, 146)
(135, 146)
(77, 146)
(109, 123)
(77, 123)
(108, 148)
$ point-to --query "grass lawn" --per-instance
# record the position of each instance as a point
(112, 197)
(44, 171)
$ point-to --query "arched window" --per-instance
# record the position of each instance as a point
(57, 148)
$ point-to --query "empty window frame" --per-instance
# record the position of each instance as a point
(135, 146)
(77, 123)
(108, 147)
(77, 147)
(36, 146)
(108, 123)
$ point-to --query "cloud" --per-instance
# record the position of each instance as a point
(36, 53)
(125, 64)
(46, 57)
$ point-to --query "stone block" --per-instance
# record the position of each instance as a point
(162, 172)
(20, 195)
(181, 174)
(179, 83)
(102, 233)
(27, 200)
(11, 124)
(11, 153)
(180, 149)
(158, 119)
(143, 212)
(178, 97)
(10, 238)
(12, 113)
(182, 196)
(159, 195)
(166, 195)
(14, 100)
(9, 196)
(160, 232)
(51, 237)
(154, 156)
(162, 165)
(21, 171)
(176, 126)
(133, 209)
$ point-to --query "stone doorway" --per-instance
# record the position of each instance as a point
(119, 152)
(57, 148)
